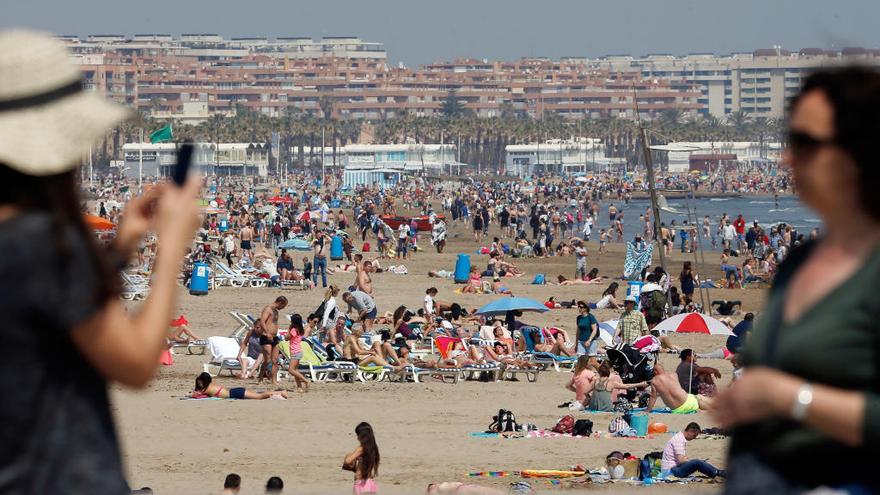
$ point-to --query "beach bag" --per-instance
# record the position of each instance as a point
(582, 428)
(504, 421)
(564, 425)
(650, 465)
(365, 248)
(617, 424)
(539, 279)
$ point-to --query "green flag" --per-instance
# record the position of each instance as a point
(162, 135)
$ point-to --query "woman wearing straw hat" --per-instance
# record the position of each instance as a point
(65, 330)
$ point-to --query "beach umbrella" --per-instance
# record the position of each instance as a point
(297, 244)
(505, 304)
(97, 223)
(693, 323)
(606, 331)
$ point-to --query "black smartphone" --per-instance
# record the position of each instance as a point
(184, 160)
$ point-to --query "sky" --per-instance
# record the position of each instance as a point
(420, 31)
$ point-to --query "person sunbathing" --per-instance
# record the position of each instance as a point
(353, 350)
(500, 353)
(180, 332)
(552, 345)
(475, 283)
(463, 355)
(204, 389)
(591, 278)
(665, 385)
(498, 287)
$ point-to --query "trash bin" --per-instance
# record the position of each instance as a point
(336, 252)
(462, 269)
(198, 282)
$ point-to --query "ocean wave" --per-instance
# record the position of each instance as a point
(813, 220)
(720, 199)
(761, 202)
(783, 209)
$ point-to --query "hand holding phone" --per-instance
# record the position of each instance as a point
(184, 160)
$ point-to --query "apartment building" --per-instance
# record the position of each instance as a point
(760, 83)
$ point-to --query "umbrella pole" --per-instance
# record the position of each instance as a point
(691, 374)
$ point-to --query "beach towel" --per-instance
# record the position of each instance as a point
(636, 259)
(222, 348)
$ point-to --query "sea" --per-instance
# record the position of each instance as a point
(763, 209)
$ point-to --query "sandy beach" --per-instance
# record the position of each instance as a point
(423, 430)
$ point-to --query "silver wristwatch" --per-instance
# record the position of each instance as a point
(802, 402)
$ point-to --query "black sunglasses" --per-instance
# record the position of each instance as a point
(801, 142)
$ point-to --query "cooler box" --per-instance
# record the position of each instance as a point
(634, 289)
(336, 251)
(198, 282)
(462, 269)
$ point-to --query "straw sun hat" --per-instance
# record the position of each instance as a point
(47, 121)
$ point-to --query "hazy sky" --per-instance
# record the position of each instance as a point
(418, 31)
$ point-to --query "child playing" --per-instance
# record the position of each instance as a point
(603, 239)
(364, 461)
(204, 389)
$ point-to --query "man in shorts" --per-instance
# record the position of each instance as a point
(269, 338)
(247, 239)
(364, 306)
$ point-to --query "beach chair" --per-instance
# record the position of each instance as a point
(544, 358)
(224, 351)
(236, 278)
(445, 346)
(134, 287)
(319, 369)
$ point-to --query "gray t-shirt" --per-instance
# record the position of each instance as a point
(362, 301)
(56, 430)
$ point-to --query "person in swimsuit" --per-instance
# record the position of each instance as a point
(204, 389)
(667, 387)
(295, 335)
(364, 461)
(247, 237)
(607, 388)
(269, 338)
(362, 281)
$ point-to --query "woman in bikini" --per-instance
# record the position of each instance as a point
(204, 389)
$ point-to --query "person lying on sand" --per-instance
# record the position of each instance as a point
(458, 488)
(666, 386)
(204, 389)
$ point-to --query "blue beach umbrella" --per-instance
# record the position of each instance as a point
(505, 304)
(297, 244)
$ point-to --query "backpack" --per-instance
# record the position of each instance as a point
(504, 421)
(654, 306)
(276, 229)
(582, 428)
(650, 465)
(564, 425)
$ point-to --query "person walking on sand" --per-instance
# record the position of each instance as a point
(364, 461)
(320, 260)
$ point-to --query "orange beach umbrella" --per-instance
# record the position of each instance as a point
(98, 223)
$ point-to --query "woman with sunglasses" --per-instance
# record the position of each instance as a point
(799, 419)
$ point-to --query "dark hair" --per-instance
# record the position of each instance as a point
(583, 304)
(274, 484)
(203, 380)
(58, 196)
(604, 369)
(592, 273)
(296, 322)
(686, 268)
(281, 299)
(369, 465)
(612, 288)
(749, 316)
(685, 353)
(232, 481)
(854, 92)
(693, 427)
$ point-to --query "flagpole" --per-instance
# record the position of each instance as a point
(91, 177)
(323, 185)
(141, 164)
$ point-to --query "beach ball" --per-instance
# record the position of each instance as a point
(657, 427)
